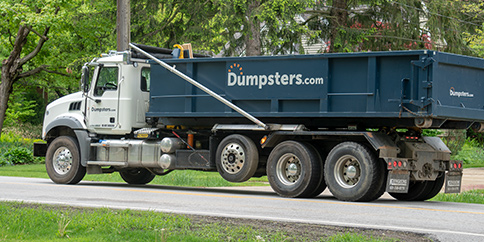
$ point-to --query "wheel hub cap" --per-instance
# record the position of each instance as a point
(292, 169)
(233, 158)
(351, 172)
(347, 171)
(288, 169)
(62, 160)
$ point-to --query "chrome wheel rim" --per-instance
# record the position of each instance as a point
(62, 161)
(347, 171)
(233, 158)
(288, 169)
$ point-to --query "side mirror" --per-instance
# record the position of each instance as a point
(85, 79)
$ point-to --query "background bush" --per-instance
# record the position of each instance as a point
(471, 153)
(16, 144)
(18, 155)
(454, 139)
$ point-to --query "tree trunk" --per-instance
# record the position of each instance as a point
(5, 90)
(339, 17)
(11, 68)
(252, 38)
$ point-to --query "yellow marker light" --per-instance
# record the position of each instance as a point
(142, 136)
(263, 140)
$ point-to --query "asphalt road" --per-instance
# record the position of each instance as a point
(443, 221)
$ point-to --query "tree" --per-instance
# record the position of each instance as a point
(474, 10)
(257, 27)
(350, 25)
(25, 31)
(169, 22)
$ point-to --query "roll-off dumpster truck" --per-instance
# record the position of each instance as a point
(349, 122)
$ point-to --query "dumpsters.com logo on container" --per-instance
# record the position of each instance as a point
(454, 93)
(236, 77)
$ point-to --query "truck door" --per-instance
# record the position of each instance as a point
(102, 107)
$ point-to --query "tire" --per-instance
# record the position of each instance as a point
(438, 184)
(137, 176)
(353, 173)
(383, 184)
(294, 169)
(237, 158)
(421, 190)
(63, 161)
(322, 184)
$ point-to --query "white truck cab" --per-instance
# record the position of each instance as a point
(118, 96)
(114, 99)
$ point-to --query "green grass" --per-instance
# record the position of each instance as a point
(471, 196)
(31, 222)
(45, 223)
(175, 178)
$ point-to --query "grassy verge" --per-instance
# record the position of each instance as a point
(471, 196)
(31, 222)
(175, 178)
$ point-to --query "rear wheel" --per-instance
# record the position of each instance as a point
(353, 173)
(137, 176)
(294, 169)
(438, 184)
(63, 161)
(237, 158)
(421, 190)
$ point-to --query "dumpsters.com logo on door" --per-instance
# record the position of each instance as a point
(236, 77)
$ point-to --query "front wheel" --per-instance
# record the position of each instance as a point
(137, 176)
(63, 161)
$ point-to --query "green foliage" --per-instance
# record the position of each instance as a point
(276, 20)
(172, 22)
(17, 155)
(478, 137)
(394, 25)
(472, 153)
(19, 111)
(474, 10)
(454, 139)
(86, 30)
(281, 32)
(15, 149)
(431, 132)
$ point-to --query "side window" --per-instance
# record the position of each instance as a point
(145, 79)
(107, 80)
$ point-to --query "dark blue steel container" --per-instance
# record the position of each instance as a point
(371, 89)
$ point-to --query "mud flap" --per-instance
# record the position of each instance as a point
(453, 181)
(398, 181)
